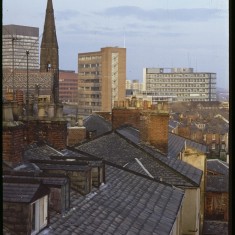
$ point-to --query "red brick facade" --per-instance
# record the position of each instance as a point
(76, 135)
(126, 116)
(154, 130)
(53, 132)
(13, 143)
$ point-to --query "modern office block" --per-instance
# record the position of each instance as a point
(16, 40)
(179, 84)
(101, 79)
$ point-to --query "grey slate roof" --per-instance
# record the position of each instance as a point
(20, 192)
(52, 180)
(97, 123)
(217, 183)
(176, 143)
(182, 167)
(40, 151)
(218, 166)
(116, 149)
(126, 204)
(215, 228)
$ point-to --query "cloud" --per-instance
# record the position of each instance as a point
(196, 14)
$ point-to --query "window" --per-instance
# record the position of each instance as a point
(213, 136)
(213, 146)
(39, 210)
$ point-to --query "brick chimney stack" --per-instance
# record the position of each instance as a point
(154, 129)
(151, 120)
(12, 137)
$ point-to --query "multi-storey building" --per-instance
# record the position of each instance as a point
(16, 40)
(101, 79)
(21, 72)
(68, 86)
(133, 87)
(179, 84)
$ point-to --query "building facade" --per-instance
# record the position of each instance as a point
(16, 40)
(68, 86)
(179, 84)
(101, 79)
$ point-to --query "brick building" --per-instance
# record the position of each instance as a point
(68, 86)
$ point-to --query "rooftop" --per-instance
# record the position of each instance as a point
(127, 203)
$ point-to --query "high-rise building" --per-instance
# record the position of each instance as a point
(16, 40)
(21, 71)
(179, 84)
(101, 79)
(68, 83)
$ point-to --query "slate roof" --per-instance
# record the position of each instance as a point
(215, 228)
(217, 125)
(176, 143)
(182, 167)
(21, 192)
(116, 149)
(217, 183)
(126, 204)
(40, 151)
(50, 180)
(218, 166)
(95, 122)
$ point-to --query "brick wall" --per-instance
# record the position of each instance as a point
(126, 116)
(76, 135)
(216, 206)
(184, 131)
(53, 132)
(16, 217)
(154, 129)
(13, 143)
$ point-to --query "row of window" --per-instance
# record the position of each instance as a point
(97, 57)
(81, 103)
(178, 80)
(170, 75)
(90, 73)
(93, 96)
(177, 85)
(89, 65)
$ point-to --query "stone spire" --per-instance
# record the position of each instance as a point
(49, 56)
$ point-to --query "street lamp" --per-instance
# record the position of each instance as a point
(27, 95)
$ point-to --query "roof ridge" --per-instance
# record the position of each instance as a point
(159, 161)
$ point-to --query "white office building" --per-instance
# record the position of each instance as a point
(178, 84)
(16, 40)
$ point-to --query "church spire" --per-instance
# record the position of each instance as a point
(49, 56)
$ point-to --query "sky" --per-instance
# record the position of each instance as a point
(155, 33)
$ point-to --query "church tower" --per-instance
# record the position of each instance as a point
(49, 56)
